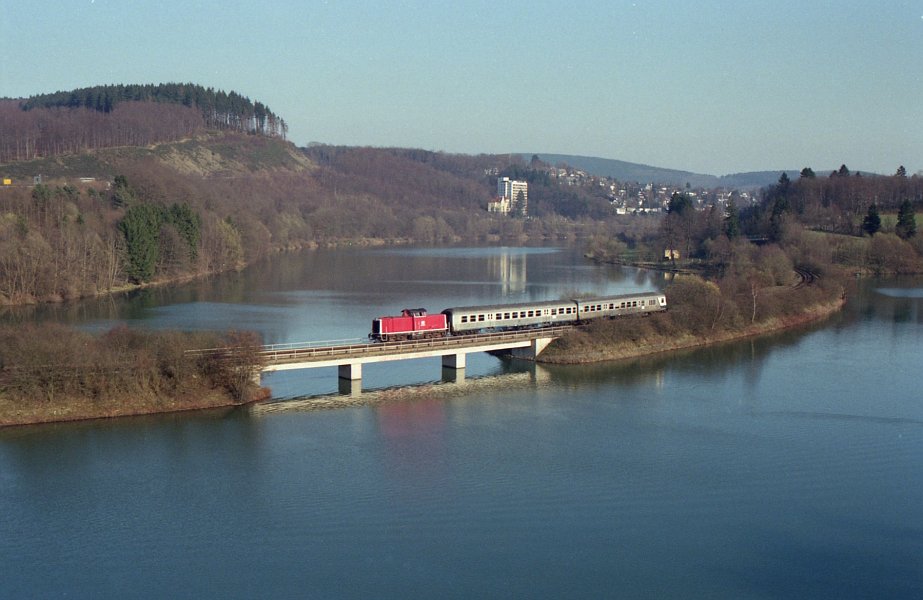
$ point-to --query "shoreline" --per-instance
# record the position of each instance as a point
(636, 350)
(261, 403)
(85, 409)
(308, 246)
(413, 393)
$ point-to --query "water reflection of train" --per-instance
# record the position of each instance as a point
(415, 323)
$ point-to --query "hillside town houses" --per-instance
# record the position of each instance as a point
(626, 198)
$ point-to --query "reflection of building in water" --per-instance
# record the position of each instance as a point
(510, 270)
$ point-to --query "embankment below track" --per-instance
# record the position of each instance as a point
(581, 348)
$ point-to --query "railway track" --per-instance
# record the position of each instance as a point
(805, 278)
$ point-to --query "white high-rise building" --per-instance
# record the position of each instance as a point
(510, 193)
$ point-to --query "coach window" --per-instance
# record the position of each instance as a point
(464, 319)
(480, 317)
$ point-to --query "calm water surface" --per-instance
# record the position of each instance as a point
(782, 467)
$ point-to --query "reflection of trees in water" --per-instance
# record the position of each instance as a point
(707, 361)
(867, 303)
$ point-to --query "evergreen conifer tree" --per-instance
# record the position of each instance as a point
(906, 221)
(871, 224)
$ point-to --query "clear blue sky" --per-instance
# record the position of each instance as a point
(714, 87)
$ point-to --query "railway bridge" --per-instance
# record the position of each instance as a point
(453, 350)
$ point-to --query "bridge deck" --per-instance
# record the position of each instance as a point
(278, 359)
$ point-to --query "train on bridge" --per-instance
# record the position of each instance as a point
(416, 323)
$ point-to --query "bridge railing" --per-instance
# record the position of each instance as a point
(314, 344)
(307, 351)
(302, 352)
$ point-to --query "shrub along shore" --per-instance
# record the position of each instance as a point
(641, 336)
(51, 372)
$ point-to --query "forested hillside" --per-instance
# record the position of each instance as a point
(124, 115)
(105, 219)
(160, 183)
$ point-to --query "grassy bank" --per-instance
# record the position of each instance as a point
(51, 372)
(701, 313)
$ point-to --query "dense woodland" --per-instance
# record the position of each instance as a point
(853, 221)
(223, 200)
(228, 189)
(125, 115)
(737, 267)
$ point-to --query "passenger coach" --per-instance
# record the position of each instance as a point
(465, 319)
(617, 306)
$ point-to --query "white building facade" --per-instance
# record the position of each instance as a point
(512, 195)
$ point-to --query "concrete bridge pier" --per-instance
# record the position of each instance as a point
(350, 380)
(454, 361)
(350, 371)
(532, 351)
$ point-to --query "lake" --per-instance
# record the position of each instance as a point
(786, 466)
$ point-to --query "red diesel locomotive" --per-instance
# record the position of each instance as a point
(413, 324)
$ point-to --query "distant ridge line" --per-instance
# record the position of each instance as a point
(627, 171)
